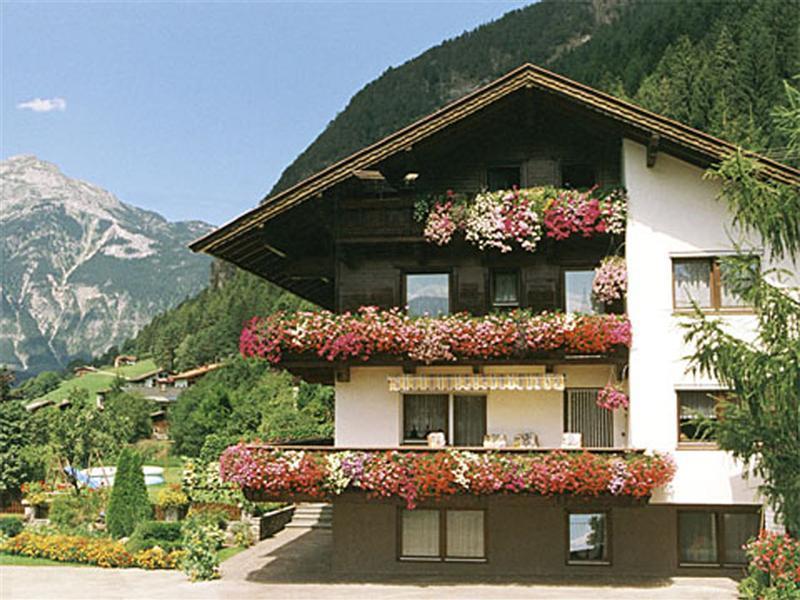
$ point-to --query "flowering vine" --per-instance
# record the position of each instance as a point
(522, 216)
(372, 331)
(610, 280)
(416, 477)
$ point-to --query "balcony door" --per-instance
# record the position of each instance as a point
(582, 415)
(469, 420)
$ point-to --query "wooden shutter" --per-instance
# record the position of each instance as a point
(469, 414)
(583, 416)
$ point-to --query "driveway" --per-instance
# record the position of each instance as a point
(296, 564)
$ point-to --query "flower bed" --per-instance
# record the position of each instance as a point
(522, 216)
(103, 552)
(419, 476)
(372, 331)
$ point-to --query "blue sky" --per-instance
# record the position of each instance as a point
(194, 109)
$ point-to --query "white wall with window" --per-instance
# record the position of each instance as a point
(676, 228)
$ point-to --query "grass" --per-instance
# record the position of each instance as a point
(229, 552)
(101, 380)
(17, 560)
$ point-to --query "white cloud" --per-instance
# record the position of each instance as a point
(43, 104)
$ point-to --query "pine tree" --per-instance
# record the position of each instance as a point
(129, 503)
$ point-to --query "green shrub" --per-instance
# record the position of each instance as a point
(200, 541)
(10, 526)
(71, 512)
(242, 534)
(149, 534)
(129, 504)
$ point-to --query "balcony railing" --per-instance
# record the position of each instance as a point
(372, 334)
(424, 474)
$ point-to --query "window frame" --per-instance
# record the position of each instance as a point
(607, 561)
(502, 165)
(442, 557)
(492, 288)
(714, 286)
(591, 167)
(450, 434)
(572, 268)
(433, 271)
(719, 513)
(696, 444)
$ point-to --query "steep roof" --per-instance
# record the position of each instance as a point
(637, 123)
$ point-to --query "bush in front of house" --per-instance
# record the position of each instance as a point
(152, 534)
(774, 568)
(101, 552)
(10, 526)
(73, 512)
(129, 504)
(201, 539)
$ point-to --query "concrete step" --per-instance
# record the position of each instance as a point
(316, 515)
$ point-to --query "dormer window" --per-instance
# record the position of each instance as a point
(503, 177)
(578, 176)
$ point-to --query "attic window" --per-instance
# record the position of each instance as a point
(577, 176)
(502, 178)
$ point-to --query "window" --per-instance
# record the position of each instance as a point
(577, 176)
(423, 414)
(588, 537)
(695, 409)
(502, 178)
(582, 415)
(505, 288)
(714, 537)
(428, 293)
(442, 534)
(702, 280)
(578, 292)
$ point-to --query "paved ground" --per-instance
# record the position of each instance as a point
(294, 565)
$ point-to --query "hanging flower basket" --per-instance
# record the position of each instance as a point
(612, 397)
(610, 280)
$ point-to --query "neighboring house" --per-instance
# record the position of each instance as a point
(146, 380)
(342, 239)
(124, 360)
(81, 371)
(188, 378)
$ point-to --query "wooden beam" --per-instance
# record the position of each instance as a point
(652, 150)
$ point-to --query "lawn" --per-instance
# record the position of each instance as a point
(101, 380)
(17, 560)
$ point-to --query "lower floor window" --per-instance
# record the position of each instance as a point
(588, 537)
(712, 537)
(436, 534)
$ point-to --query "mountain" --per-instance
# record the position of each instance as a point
(82, 271)
(716, 65)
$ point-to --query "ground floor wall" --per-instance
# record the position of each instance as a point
(524, 537)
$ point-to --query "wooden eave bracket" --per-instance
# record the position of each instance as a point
(652, 149)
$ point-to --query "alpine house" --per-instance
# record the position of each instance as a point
(500, 286)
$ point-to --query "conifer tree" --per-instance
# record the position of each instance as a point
(129, 503)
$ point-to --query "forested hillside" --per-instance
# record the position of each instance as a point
(718, 66)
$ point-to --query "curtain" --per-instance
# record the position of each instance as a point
(694, 406)
(420, 533)
(505, 288)
(738, 528)
(469, 413)
(698, 537)
(465, 534)
(595, 424)
(692, 282)
(423, 414)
